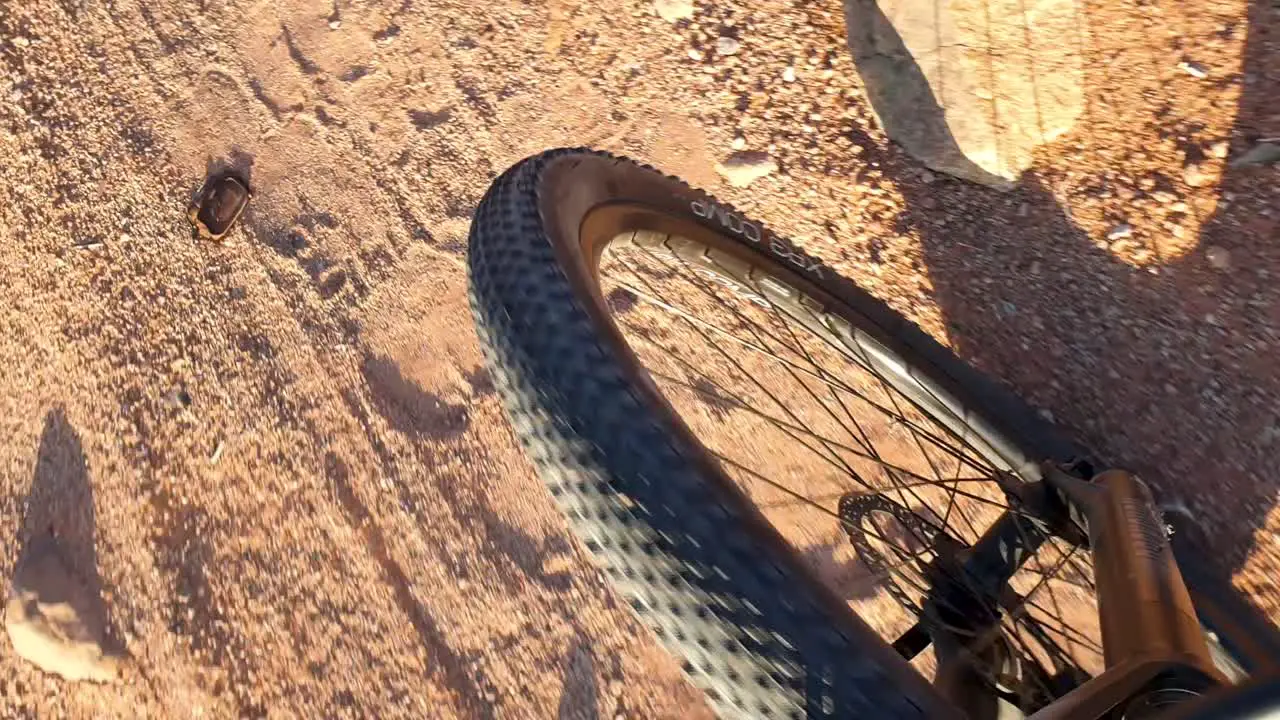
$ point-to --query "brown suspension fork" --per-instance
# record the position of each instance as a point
(1154, 648)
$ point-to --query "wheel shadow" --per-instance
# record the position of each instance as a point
(580, 696)
(1165, 369)
(407, 406)
(59, 519)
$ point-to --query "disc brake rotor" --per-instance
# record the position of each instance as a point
(924, 536)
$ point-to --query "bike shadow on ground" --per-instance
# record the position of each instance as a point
(1166, 369)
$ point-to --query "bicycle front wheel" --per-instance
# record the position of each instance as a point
(711, 495)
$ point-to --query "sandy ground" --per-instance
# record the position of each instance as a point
(280, 457)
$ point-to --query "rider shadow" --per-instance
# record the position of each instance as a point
(1167, 371)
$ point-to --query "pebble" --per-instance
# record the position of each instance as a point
(21, 41)
(789, 74)
(1121, 231)
(1219, 257)
(1046, 414)
(1195, 175)
(335, 24)
(743, 168)
(1194, 69)
(673, 10)
(694, 54)
(727, 45)
(927, 177)
(1220, 149)
(738, 143)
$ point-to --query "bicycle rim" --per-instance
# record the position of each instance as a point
(800, 408)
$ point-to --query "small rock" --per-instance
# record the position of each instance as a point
(695, 54)
(927, 177)
(1220, 149)
(55, 623)
(727, 46)
(1023, 209)
(177, 398)
(1046, 415)
(1035, 267)
(738, 143)
(1266, 152)
(335, 24)
(1194, 69)
(673, 10)
(387, 35)
(1269, 434)
(743, 168)
(1119, 232)
(1195, 175)
(1219, 257)
(20, 41)
(789, 74)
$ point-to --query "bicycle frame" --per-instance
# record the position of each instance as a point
(1154, 648)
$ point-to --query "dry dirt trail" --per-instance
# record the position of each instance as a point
(279, 454)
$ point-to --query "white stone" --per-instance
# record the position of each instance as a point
(1119, 232)
(743, 168)
(970, 87)
(1219, 257)
(673, 10)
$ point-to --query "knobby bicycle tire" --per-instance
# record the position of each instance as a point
(698, 564)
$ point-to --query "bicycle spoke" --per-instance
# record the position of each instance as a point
(742, 371)
(831, 381)
(784, 425)
(919, 500)
(865, 439)
(811, 503)
(710, 293)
